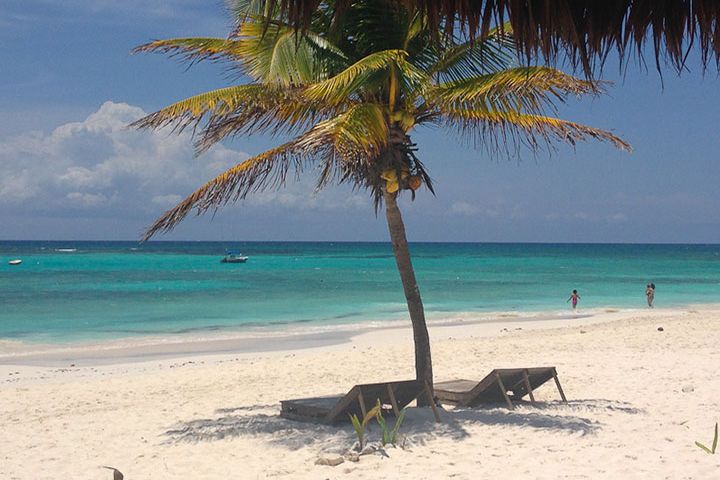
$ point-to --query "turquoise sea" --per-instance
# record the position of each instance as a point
(78, 291)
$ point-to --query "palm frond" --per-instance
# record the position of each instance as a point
(276, 53)
(242, 10)
(492, 53)
(497, 129)
(241, 110)
(195, 49)
(284, 112)
(215, 102)
(363, 128)
(340, 87)
(356, 138)
(530, 89)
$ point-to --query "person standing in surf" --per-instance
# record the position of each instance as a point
(650, 294)
(574, 297)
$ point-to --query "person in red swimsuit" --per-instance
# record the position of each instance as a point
(574, 297)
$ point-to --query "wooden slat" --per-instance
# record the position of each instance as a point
(431, 400)
(393, 402)
(527, 385)
(361, 400)
(504, 392)
(557, 382)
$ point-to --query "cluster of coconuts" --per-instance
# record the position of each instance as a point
(406, 180)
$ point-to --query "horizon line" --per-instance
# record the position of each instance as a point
(371, 241)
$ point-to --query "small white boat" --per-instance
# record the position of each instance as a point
(17, 261)
(66, 250)
(234, 257)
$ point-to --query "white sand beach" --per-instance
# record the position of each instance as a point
(638, 400)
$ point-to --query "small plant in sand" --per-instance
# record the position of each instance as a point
(390, 435)
(712, 449)
(360, 426)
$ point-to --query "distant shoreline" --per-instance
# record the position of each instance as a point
(155, 347)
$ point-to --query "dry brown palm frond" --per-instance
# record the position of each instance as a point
(285, 116)
(587, 30)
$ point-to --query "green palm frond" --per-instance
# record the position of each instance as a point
(276, 53)
(195, 49)
(241, 110)
(362, 129)
(415, 29)
(531, 89)
(492, 53)
(497, 128)
(342, 86)
(356, 138)
(292, 61)
(241, 10)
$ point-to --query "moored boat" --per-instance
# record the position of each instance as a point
(17, 261)
(234, 257)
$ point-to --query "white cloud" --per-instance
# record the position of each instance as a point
(87, 199)
(580, 216)
(464, 208)
(100, 167)
(100, 163)
(166, 200)
(298, 196)
(469, 210)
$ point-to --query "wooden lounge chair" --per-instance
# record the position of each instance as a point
(502, 384)
(393, 396)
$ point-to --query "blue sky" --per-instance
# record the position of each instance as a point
(70, 170)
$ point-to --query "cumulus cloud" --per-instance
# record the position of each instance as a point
(464, 208)
(100, 167)
(99, 163)
(166, 200)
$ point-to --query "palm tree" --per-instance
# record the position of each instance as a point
(349, 90)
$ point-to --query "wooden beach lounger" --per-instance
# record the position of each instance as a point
(500, 385)
(394, 396)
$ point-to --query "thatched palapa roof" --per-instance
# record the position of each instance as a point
(587, 30)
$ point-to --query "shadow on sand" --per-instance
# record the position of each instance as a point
(262, 422)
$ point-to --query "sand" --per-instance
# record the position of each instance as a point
(638, 400)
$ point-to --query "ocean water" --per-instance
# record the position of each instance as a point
(89, 291)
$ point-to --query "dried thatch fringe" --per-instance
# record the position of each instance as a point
(588, 30)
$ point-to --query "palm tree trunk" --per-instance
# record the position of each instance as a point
(423, 361)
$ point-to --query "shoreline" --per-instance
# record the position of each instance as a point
(275, 340)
